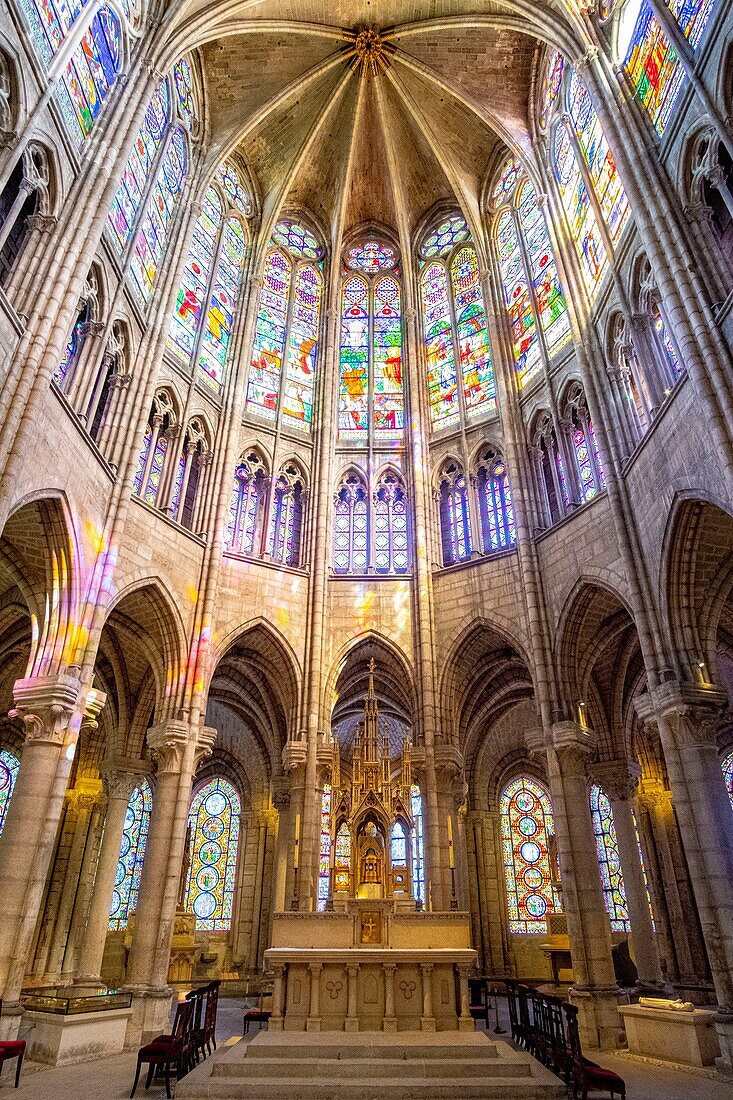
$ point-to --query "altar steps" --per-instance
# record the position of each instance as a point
(370, 1066)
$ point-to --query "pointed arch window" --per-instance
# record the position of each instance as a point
(527, 834)
(324, 855)
(390, 526)
(214, 823)
(609, 861)
(727, 766)
(132, 854)
(9, 765)
(131, 191)
(195, 454)
(244, 507)
(418, 844)
(74, 346)
(455, 523)
(589, 467)
(461, 382)
(342, 858)
(90, 74)
(286, 517)
(592, 141)
(202, 319)
(496, 508)
(152, 236)
(285, 346)
(398, 845)
(371, 400)
(351, 527)
(151, 460)
(535, 303)
(550, 469)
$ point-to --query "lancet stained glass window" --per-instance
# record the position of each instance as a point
(398, 846)
(526, 830)
(601, 165)
(516, 295)
(287, 327)
(73, 348)
(609, 861)
(578, 209)
(286, 521)
(50, 22)
(152, 236)
(9, 765)
(90, 73)
(455, 331)
(183, 82)
(551, 85)
(350, 540)
(370, 389)
(727, 766)
(196, 274)
(214, 823)
(324, 855)
(495, 506)
(390, 527)
(125, 207)
(651, 61)
(342, 858)
(418, 844)
(551, 305)
(455, 523)
(132, 854)
(243, 508)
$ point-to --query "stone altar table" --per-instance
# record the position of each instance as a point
(372, 965)
(688, 1038)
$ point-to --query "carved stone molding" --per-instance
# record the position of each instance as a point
(619, 778)
(45, 704)
(169, 740)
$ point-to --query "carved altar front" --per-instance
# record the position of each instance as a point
(371, 965)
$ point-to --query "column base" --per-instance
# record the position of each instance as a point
(427, 1023)
(151, 1012)
(389, 1023)
(88, 984)
(465, 1023)
(351, 1024)
(313, 1023)
(12, 1014)
(599, 1023)
(275, 1023)
(724, 1028)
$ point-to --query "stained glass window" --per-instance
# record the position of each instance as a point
(447, 235)
(609, 861)
(551, 305)
(578, 209)
(371, 368)
(193, 290)
(242, 524)
(73, 348)
(222, 299)
(526, 830)
(727, 766)
(324, 855)
(507, 181)
(455, 524)
(651, 61)
(418, 844)
(664, 341)
(371, 258)
(129, 195)
(91, 72)
(184, 92)
(286, 522)
(398, 846)
(214, 823)
(9, 765)
(342, 858)
(439, 347)
(472, 336)
(152, 236)
(551, 86)
(516, 295)
(495, 506)
(228, 179)
(601, 165)
(132, 854)
(50, 22)
(287, 324)
(390, 527)
(350, 539)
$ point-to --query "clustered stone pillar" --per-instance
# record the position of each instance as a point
(687, 717)
(119, 785)
(176, 748)
(50, 709)
(619, 782)
(594, 989)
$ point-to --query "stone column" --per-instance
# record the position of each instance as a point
(49, 707)
(465, 1020)
(594, 988)
(313, 1023)
(389, 1023)
(119, 785)
(281, 802)
(427, 1022)
(351, 1023)
(83, 799)
(619, 782)
(276, 1020)
(687, 718)
(176, 749)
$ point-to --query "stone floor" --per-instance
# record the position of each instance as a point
(111, 1078)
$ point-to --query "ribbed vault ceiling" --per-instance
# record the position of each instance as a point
(453, 85)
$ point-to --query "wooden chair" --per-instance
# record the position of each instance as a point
(212, 1006)
(259, 1015)
(166, 1051)
(478, 989)
(9, 1049)
(587, 1076)
(197, 1047)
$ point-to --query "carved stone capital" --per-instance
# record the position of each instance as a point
(573, 745)
(280, 793)
(619, 778)
(653, 793)
(42, 223)
(169, 740)
(92, 328)
(691, 712)
(120, 381)
(448, 762)
(86, 795)
(294, 753)
(46, 704)
(120, 782)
